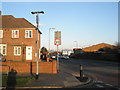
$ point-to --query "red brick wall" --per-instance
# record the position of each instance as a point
(29, 67)
(7, 39)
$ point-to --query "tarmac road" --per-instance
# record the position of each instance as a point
(104, 73)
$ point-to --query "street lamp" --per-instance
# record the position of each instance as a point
(49, 37)
(37, 13)
(76, 44)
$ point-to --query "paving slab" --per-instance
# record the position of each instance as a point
(62, 79)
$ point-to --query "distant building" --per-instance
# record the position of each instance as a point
(67, 52)
(95, 48)
(77, 50)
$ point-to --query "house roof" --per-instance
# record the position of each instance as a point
(9, 21)
(97, 47)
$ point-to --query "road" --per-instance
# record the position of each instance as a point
(104, 73)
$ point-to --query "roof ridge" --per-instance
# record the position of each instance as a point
(97, 47)
(11, 21)
(8, 15)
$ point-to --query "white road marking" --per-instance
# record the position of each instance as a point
(99, 81)
(100, 86)
(108, 84)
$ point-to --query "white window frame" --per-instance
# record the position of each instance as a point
(27, 34)
(1, 33)
(2, 48)
(14, 35)
(16, 51)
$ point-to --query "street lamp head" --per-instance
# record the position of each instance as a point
(52, 28)
(36, 12)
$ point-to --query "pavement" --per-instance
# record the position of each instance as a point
(59, 80)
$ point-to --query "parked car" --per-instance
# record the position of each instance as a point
(54, 57)
(60, 56)
(2, 58)
(65, 57)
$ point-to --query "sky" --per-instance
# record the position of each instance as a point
(82, 24)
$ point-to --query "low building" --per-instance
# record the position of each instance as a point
(97, 47)
(67, 52)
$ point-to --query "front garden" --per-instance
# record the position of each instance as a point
(16, 80)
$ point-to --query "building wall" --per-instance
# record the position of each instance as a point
(21, 41)
(67, 52)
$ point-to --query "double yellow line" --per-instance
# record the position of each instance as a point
(30, 87)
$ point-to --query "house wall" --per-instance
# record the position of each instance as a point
(29, 67)
(21, 41)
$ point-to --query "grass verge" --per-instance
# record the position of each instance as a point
(20, 80)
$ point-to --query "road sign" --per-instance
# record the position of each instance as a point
(57, 34)
(57, 40)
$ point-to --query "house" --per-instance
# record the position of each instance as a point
(18, 39)
(95, 48)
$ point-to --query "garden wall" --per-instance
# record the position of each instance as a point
(29, 67)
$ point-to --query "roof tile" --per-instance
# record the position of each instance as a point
(8, 21)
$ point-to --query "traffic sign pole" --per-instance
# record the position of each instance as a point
(57, 59)
(57, 42)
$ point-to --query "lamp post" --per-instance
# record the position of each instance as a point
(49, 38)
(37, 22)
(76, 44)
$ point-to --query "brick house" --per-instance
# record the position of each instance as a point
(18, 39)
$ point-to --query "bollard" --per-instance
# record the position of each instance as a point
(37, 76)
(81, 71)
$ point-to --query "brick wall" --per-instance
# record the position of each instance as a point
(29, 67)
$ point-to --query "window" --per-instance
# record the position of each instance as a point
(1, 33)
(28, 33)
(17, 51)
(15, 33)
(3, 49)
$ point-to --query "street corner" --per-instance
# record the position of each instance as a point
(72, 81)
(83, 79)
(86, 79)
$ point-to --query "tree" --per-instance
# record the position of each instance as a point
(44, 50)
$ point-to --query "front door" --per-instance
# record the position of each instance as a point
(28, 53)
